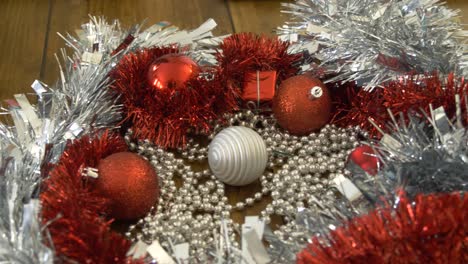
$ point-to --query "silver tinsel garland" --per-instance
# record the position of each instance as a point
(425, 156)
(78, 103)
(21, 234)
(420, 153)
(375, 41)
(96, 41)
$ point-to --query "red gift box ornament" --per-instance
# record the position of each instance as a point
(259, 86)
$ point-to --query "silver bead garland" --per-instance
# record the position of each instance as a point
(299, 170)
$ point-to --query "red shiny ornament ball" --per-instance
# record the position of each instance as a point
(172, 71)
(364, 157)
(129, 182)
(302, 104)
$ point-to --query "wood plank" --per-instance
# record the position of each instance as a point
(183, 13)
(257, 16)
(66, 16)
(463, 6)
(23, 30)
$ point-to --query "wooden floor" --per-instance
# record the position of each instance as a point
(28, 28)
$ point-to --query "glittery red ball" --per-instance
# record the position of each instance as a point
(364, 157)
(302, 104)
(130, 182)
(172, 71)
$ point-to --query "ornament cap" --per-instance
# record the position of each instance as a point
(315, 92)
(90, 172)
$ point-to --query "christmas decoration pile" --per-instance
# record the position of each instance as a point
(353, 122)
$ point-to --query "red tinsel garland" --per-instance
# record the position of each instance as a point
(354, 106)
(430, 229)
(73, 212)
(246, 52)
(165, 115)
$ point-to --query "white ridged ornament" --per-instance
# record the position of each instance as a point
(237, 156)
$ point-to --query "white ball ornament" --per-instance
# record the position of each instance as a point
(237, 155)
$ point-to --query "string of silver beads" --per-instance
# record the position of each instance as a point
(306, 179)
(191, 212)
(185, 214)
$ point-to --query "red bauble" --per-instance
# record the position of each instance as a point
(364, 157)
(129, 182)
(302, 105)
(172, 71)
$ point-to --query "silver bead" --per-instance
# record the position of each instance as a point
(275, 194)
(258, 196)
(302, 152)
(313, 168)
(240, 206)
(303, 169)
(266, 220)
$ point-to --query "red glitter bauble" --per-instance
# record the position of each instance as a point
(302, 105)
(129, 182)
(364, 157)
(172, 71)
